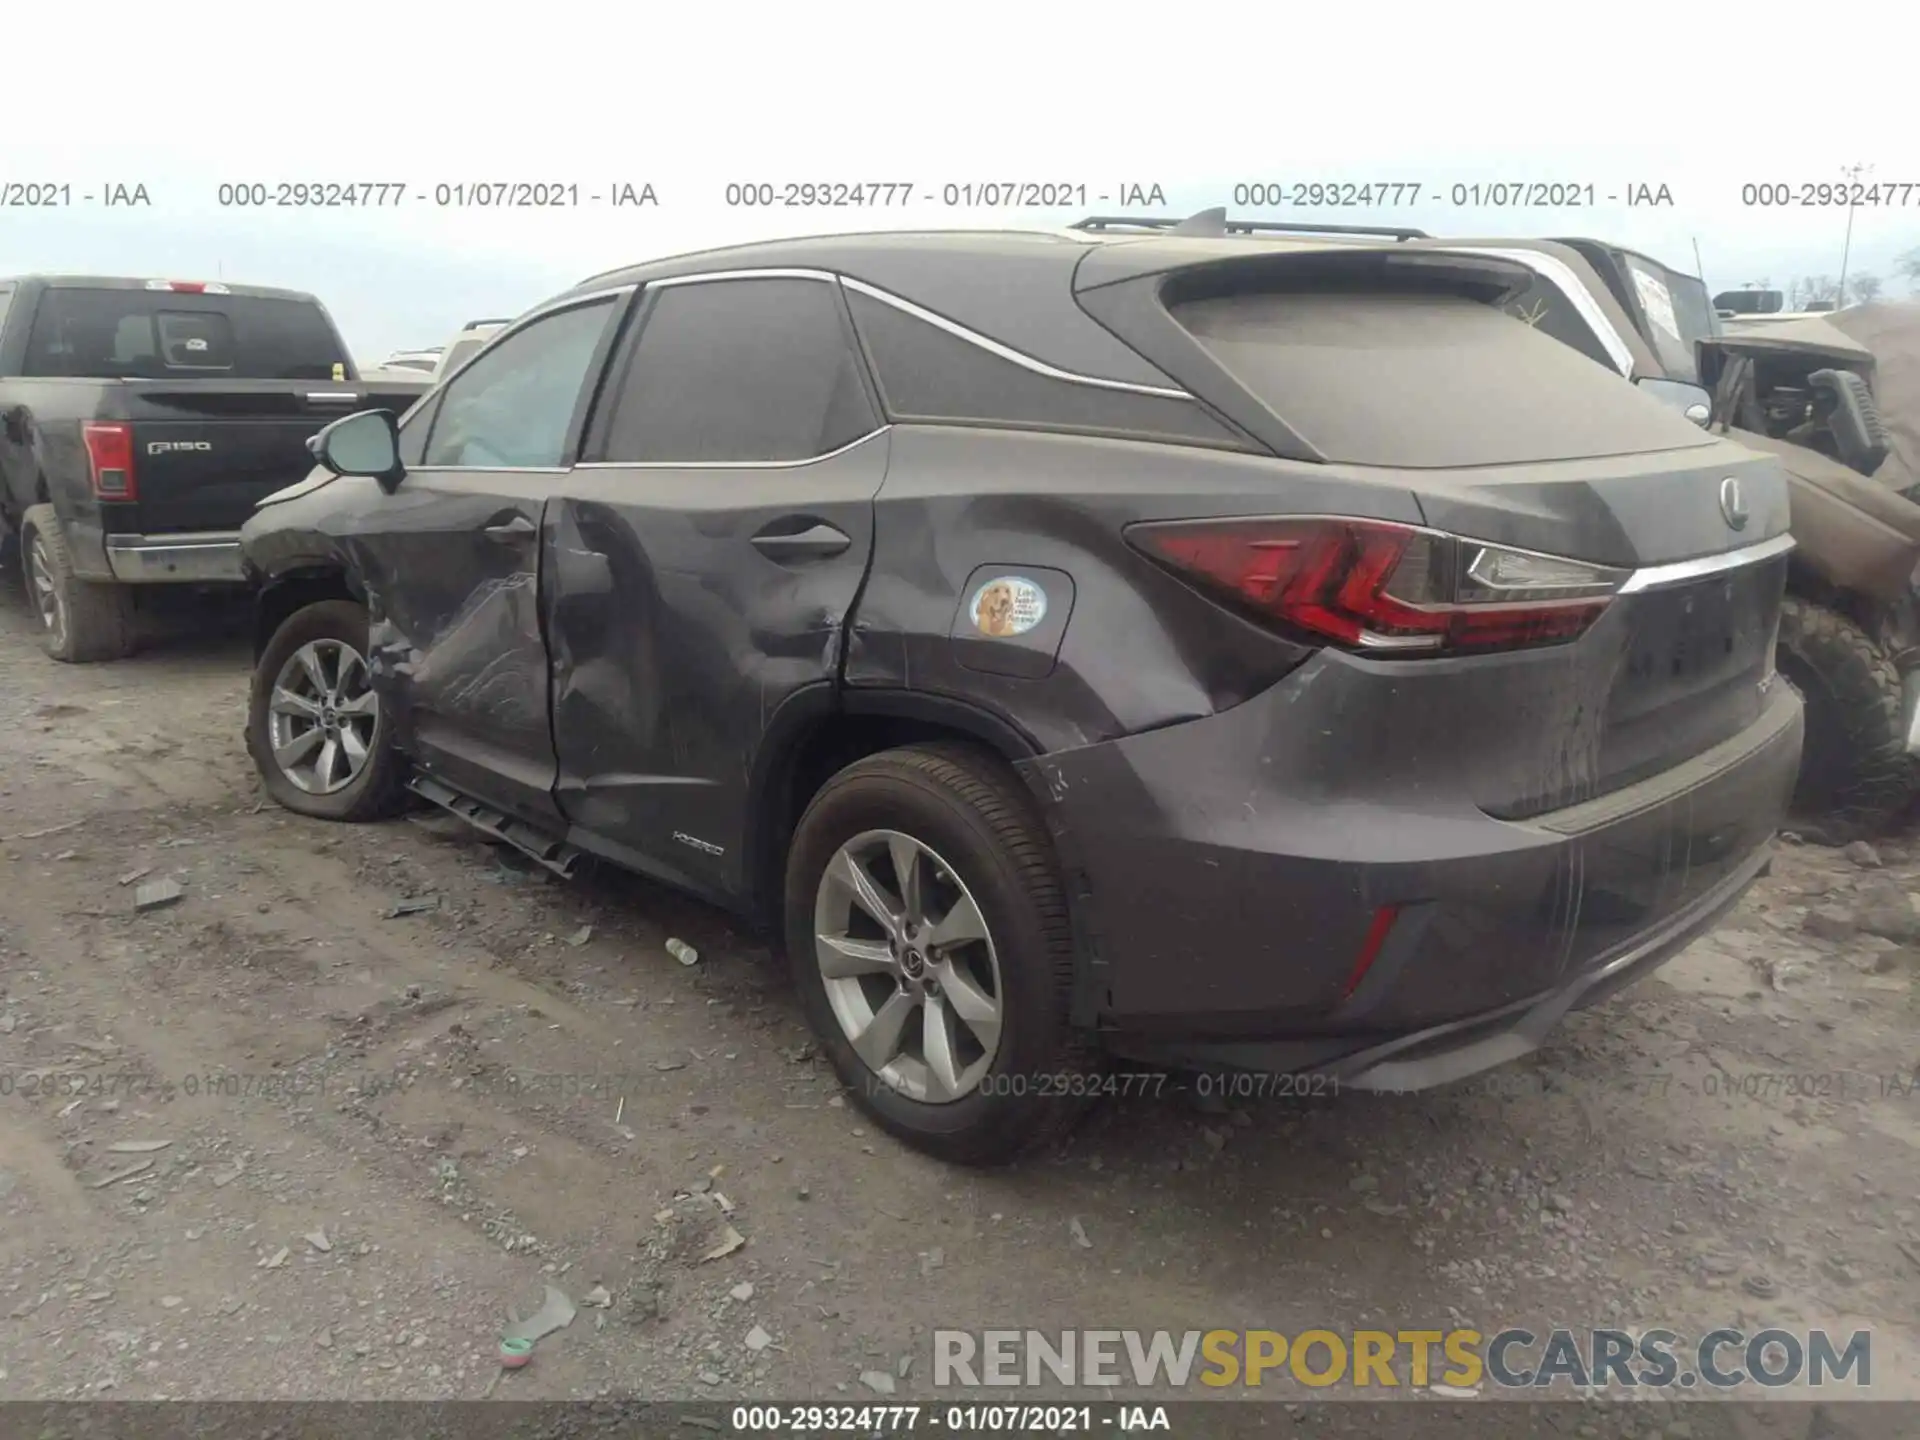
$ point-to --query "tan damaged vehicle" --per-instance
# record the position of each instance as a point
(1836, 397)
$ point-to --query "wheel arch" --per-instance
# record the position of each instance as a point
(819, 731)
(295, 588)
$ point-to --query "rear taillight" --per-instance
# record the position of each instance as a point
(110, 459)
(1382, 588)
(189, 287)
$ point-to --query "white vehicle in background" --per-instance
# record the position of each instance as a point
(467, 344)
(422, 360)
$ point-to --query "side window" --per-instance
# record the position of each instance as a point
(414, 432)
(6, 301)
(511, 408)
(728, 371)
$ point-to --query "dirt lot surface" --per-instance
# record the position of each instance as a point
(353, 1141)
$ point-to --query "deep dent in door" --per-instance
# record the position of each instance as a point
(477, 663)
(665, 680)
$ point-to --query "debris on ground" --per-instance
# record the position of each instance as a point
(556, 1312)
(580, 936)
(599, 1297)
(157, 895)
(878, 1381)
(683, 952)
(127, 1174)
(421, 906)
(277, 1259)
(1079, 1233)
(743, 1291)
(758, 1339)
(318, 1240)
(137, 1147)
(133, 875)
(730, 1241)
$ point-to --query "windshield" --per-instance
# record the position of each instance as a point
(1679, 315)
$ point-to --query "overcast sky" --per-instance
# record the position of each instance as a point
(1196, 99)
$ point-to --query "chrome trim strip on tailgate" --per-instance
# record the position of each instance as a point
(207, 557)
(1658, 577)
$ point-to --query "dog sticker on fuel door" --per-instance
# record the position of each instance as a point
(1006, 606)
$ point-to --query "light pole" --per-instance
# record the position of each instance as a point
(1853, 174)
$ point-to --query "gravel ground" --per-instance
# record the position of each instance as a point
(276, 1140)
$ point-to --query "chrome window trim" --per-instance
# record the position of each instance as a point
(733, 464)
(929, 317)
(702, 277)
(488, 469)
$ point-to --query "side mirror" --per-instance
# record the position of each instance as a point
(366, 444)
(1693, 401)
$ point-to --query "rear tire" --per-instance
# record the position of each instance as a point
(81, 621)
(980, 839)
(330, 634)
(1855, 775)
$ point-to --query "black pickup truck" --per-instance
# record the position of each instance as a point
(140, 421)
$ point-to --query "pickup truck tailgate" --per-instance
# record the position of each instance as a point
(204, 455)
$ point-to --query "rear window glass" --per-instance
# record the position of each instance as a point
(1426, 381)
(162, 334)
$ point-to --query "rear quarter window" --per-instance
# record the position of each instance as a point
(1426, 381)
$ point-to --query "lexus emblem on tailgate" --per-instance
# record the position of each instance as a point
(1733, 504)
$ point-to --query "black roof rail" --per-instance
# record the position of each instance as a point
(1215, 222)
(473, 324)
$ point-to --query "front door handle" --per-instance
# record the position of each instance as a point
(820, 540)
(508, 531)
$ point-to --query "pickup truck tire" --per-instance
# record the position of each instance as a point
(310, 689)
(1855, 775)
(81, 620)
(893, 1005)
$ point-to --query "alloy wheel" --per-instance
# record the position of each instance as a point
(322, 716)
(46, 591)
(909, 966)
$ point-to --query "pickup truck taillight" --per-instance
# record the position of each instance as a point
(110, 459)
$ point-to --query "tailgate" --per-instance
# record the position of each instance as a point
(205, 453)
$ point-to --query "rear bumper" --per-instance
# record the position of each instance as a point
(1289, 885)
(207, 557)
(1442, 1054)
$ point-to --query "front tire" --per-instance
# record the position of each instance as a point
(1855, 774)
(316, 729)
(81, 621)
(927, 928)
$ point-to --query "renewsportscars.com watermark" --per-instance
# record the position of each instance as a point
(1458, 1360)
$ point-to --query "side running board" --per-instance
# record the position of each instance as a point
(558, 856)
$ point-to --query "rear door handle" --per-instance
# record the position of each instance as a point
(508, 531)
(820, 540)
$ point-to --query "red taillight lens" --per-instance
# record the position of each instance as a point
(1386, 588)
(110, 459)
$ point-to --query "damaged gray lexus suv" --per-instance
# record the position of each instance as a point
(1238, 658)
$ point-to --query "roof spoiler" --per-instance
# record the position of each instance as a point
(1216, 224)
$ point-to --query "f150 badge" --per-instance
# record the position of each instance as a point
(163, 447)
(1006, 606)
